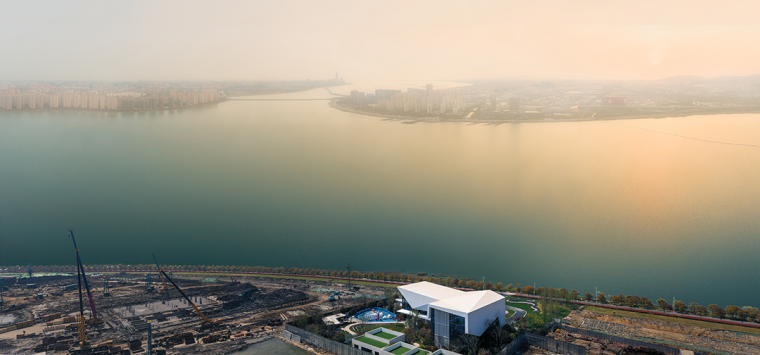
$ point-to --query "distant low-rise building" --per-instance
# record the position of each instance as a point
(614, 100)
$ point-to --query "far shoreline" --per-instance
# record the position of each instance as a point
(79, 109)
(411, 120)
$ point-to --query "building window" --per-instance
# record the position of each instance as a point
(456, 326)
(405, 305)
(440, 324)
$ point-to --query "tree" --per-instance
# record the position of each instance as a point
(528, 289)
(602, 298)
(716, 311)
(589, 296)
(693, 307)
(720, 313)
(574, 295)
(498, 287)
(533, 323)
(732, 311)
(411, 335)
(509, 287)
(646, 303)
(390, 293)
(663, 304)
(617, 299)
(341, 336)
(700, 310)
(471, 343)
(500, 335)
(426, 336)
(679, 306)
(752, 312)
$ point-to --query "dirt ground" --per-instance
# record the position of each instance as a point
(250, 310)
(671, 334)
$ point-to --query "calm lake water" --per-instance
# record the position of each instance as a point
(628, 206)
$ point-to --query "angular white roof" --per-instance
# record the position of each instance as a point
(468, 302)
(423, 293)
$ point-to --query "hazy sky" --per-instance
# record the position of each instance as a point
(371, 40)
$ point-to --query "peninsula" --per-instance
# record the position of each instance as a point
(496, 102)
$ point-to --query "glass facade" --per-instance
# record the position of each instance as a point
(440, 322)
(446, 326)
(405, 305)
(456, 326)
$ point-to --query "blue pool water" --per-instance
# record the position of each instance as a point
(376, 315)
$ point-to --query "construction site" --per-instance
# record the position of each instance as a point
(612, 334)
(157, 312)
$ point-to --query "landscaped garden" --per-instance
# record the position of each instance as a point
(384, 335)
(400, 350)
(372, 342)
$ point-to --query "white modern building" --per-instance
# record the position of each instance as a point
(451, 312)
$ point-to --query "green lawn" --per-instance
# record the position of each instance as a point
(400, 350)
(384, 335)
(563, 312)
(523, 306)
(372, 342)
(697, 323)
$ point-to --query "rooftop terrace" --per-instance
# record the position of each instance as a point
(372, 342)
(400, 350)
(384, 335)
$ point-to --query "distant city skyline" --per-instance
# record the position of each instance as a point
(364, 41)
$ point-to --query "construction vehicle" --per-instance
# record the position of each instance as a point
(207, 323)
(83, 279)
(84, 345)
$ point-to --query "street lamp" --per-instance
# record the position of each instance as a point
(597, 294)
(484, 283)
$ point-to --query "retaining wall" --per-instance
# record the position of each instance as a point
(322, 342)
(621, 340)
(545, 343)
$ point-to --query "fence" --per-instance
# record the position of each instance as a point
(560, 347)
(321, 342)
(545, 343)
(620, 340)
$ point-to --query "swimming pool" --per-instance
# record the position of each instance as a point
(375, 315)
